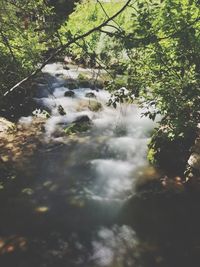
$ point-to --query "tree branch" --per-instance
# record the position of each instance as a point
(7, 45)
(63, 47)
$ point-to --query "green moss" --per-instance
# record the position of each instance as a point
(82, 77)
(94, 106)
(75, 128)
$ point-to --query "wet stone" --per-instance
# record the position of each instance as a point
(90, 95)
(82, 119)
(69, 93)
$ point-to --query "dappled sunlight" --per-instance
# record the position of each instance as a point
(42, 209)
(69, 195)
(11, 244)
(115, 247)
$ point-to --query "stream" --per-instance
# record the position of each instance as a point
(76, 203)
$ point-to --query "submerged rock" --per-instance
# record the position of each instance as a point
(59, 74)
(69, 93)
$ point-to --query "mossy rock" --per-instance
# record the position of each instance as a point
(82, 77)
(91, 104)
(94, 106)
(75, 128)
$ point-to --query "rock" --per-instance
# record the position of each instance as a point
(79, 125)
(61, 110)
(94, 106)
(90, 95)
(6, 125)
(82, 119)
(84, 84)
(194, 161)
(59, 74)
(91, 104)
(71, 85)
(99, 85)
(69, 93)
(75, 128)
(65, 67)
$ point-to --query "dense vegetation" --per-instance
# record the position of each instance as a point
(152, 48)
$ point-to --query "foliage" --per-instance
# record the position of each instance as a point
(156, 45)
(152, 48)
(87, 15)
(171, 154)
(26, 33)
(24, 37)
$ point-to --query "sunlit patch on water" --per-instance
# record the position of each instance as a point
(42, 209)
(115, 247)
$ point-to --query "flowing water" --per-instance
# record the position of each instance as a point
(75, 203)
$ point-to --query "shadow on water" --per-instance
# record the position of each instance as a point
(75, 204)
(56, 221)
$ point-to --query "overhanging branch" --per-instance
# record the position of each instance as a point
(63, 47)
